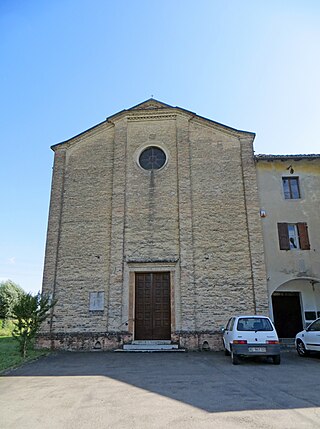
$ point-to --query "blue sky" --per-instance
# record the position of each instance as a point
(66, 65)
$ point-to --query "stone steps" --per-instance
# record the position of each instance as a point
(150, 346)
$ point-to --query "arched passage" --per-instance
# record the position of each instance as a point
(295, 304)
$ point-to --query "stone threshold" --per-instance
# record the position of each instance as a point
(150, 346)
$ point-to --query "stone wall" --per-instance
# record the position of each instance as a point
(200, 213)
(102, 341)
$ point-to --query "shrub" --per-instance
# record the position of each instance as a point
(30, 311)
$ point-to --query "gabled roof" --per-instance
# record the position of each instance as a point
(263, 157)
(153, 105)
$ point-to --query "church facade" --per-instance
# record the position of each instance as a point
(154, 232)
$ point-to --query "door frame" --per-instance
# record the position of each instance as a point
(142, 267)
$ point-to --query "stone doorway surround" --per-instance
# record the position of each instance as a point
(133, 267)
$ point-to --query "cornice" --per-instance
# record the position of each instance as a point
(172, 113)
(223, 128)
(144, 263)
(95, 130)
(151, 116)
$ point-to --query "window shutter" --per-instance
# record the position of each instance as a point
(283, 236)
(303, 236)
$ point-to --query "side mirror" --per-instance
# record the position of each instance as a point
(222, 329)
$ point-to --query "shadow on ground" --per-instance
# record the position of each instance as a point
(204, 380)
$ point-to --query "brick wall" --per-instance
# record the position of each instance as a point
(200, 214)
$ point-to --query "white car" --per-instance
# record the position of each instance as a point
(251, 336)
(309, 339)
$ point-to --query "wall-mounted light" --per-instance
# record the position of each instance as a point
(290, 168)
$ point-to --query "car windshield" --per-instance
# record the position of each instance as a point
(254, 324)
(315, 326)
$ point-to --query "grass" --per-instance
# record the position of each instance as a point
(10, 356)
(6, 328)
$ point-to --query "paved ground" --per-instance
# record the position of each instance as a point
(161, 390)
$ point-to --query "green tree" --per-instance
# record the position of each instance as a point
(10, 293)
(30, 311)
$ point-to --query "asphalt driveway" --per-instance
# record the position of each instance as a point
(161, 390)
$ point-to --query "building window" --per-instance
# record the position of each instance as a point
(310, 315)
(291, 188)
(96, 301)
(293, 236)
(152, 158)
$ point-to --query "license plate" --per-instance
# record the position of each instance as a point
(257, 349)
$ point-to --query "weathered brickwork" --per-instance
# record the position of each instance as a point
(197, 217)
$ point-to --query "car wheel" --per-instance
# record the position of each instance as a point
(276, 359)
(301, 349)
(235, 358)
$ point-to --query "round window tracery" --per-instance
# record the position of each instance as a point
(152, 158)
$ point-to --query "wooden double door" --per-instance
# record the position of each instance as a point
(152, 306)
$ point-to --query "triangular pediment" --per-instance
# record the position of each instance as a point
(150, 104)
(154, 107)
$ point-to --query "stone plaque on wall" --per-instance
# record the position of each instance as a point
(96, 301)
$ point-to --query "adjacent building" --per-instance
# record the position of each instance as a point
(289, 189)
